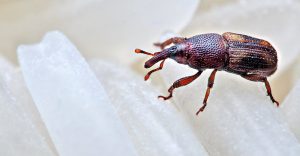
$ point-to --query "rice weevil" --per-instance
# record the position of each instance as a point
(252, 58)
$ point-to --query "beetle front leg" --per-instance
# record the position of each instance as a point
(270, 92)
(174, 40)
(161, 65)
(209, 86)
(181, 82)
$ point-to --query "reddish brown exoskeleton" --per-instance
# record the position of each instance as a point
(252, 58)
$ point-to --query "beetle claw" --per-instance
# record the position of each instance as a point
(197, 113)
(277, 103)
(165, 97)
(201, 109)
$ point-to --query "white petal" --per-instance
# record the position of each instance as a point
(71, 101)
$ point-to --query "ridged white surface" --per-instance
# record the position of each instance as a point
(71, 101)
(291, 109)
(155, 127)
(239, 118)
(19, 129)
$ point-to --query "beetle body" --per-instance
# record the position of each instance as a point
(252, 58)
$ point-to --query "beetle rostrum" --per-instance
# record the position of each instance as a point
(252, 58)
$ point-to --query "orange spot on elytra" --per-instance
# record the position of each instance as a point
(264, 43)
(238, 38)
(234, 37)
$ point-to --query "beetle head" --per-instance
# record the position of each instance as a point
(177, 52)
(180, 55)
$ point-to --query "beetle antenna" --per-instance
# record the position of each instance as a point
(143, 52)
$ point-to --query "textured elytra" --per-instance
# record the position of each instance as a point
(249, 55)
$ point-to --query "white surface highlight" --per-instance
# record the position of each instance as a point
(291, 109)
(71, 101)
(19, 133)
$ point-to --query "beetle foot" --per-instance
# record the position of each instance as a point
(165, 97)
(277, 103)
(147, 77)
(201, 109)
(273, 100)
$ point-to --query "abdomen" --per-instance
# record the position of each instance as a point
(249, 55)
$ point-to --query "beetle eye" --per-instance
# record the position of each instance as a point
(173, 50)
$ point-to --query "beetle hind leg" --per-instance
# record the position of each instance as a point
(255, 77)
(270, 92)
(179, 83)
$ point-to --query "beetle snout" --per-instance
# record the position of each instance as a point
(147, 65)
(156, 58)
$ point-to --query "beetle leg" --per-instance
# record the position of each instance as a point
(174, 40)
(255, 77)
(210, 84)
(154, 70)
(181, 82)
(270, 92)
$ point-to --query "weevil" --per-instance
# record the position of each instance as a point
(252, 58)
